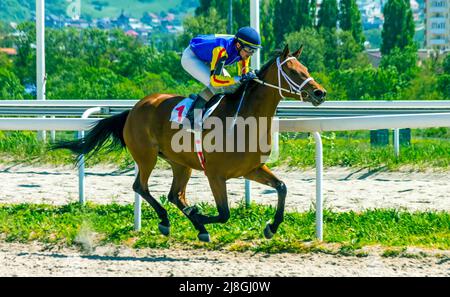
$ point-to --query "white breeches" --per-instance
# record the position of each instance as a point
(201, 71)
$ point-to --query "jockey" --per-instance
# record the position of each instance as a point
(206, 57)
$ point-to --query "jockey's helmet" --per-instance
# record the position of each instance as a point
(248, 37)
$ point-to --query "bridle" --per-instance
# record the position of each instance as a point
(294, 88)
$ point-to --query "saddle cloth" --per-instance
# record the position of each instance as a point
(180, 110)
(178, 115)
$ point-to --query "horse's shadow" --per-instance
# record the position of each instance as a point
(119, 172)
(110, 258)
(363, 176)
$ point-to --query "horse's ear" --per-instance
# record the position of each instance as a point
(298, 53)
(285, 53)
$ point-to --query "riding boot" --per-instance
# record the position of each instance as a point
(199, 103)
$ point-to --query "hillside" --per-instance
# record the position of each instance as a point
(21, 10)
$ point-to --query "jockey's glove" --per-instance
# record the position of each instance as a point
(248, 76)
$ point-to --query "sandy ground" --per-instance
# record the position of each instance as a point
(38, 260)
(344, 190)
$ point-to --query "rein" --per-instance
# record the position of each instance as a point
(294, 88)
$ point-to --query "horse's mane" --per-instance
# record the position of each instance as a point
(260, 73)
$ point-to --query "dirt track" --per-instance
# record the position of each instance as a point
(343, 190)
(37, 260)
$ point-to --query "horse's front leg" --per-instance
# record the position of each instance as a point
(264, 176)
(219, 189)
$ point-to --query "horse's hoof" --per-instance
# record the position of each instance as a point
(204, 237)
(267, 232)
(164, 229)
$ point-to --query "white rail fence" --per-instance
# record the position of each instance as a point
(314, 125)
(373, 105)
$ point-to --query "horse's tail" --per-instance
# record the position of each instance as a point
(98, 135)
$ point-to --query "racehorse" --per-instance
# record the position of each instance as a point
(147, 133)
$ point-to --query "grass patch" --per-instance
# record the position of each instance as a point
(403, 253)
(91, 225)
(349, 149)
(354, 150)
(357, 152)
(24, 148)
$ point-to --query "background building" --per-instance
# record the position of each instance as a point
(437, 24)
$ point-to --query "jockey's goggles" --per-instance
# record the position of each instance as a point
(249, 50)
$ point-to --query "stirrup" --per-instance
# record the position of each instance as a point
(199, 103)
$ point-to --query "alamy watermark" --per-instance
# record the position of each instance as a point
(234, 135)
(74, 9)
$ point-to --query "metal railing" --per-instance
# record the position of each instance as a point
(285, 108)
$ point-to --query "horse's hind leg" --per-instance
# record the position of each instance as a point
(219, 189)
(264, 176)
(177, 196)
(146, 161)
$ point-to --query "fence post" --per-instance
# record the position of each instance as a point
(53, 133)
(248, 192)
(137, 204)
(85, 115)
(319, 194)
(397, 142)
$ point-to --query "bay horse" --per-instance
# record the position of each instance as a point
(146, 132)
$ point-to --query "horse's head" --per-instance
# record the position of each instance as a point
(293, 78)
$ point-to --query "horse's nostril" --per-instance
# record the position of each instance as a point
(319, 93)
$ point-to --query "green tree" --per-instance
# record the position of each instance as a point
(126, 55)
(444, 85)
(312, 12)
(369, 83)
(206, 5)
(85, 82)
(95, 43)
(404, 61)
(328, 14)
(5, 30)
(282, 23)
(290, 16)
(303, 15)
(443, 80)
(350, 20)
(398, 27)
(348, 52)
(25, 61)
(330, 54)
(314, 47)
(123, 54)
(267, 30)
(5, 62)
(241, 11)
(170, 61)
(423, 86)
(211, 23)
(10, 86)
(446, 64)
